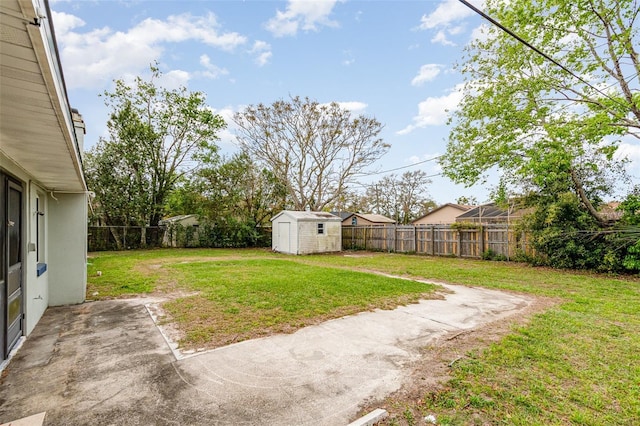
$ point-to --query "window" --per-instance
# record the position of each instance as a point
(320, 228)
(354, 221)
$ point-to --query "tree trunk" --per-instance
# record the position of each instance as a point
(587, 203)
(116, 238)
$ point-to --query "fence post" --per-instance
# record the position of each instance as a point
(395, 238)
(415, 238)
(459, 243)
(481, 236)
(433, 241)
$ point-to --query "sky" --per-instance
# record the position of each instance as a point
(392, 60)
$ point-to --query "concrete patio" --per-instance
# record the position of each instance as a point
(106, 363)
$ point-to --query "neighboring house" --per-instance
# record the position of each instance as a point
(170, 237)
(355, 219)
(490, 213)
(444, 215)
(609, 211)
(43, 194)
(342, 215)
(297, 232)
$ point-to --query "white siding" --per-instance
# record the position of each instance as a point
(303, 233)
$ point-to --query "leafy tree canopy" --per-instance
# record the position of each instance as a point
(538, 125)
(156, 135)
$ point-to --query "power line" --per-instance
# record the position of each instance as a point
(402, 167)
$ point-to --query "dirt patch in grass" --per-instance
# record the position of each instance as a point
(431, 372)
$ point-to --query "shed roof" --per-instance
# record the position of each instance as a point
(302, 216)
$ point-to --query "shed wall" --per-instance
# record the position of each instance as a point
(309, 241)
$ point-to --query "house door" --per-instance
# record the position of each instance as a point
(11, 310)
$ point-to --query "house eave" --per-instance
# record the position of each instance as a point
(36, 130)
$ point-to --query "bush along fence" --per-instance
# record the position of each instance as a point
(103, 238)
(490, 241)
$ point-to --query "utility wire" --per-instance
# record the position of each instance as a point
(538, 51)
(401, 167)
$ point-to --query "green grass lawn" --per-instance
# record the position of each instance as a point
(577, 363)
(241, 294)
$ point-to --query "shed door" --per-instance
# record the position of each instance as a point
(284, 232)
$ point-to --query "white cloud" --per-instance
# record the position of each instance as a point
(65, 22)
(302, 15)
(212, 71)
(98, 56)
(227, 135)
(353, 106)
(434, 111)
(441, 38)
(427, 72)
(480, 32)
(447, 12)
(446, 18)
(174, 79)
(262, 50)
(631, 152)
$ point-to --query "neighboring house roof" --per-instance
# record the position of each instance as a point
(462, 208)
(342, 215)
(302, 216)
(373, 218)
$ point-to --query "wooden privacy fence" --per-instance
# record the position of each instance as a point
(497, 240)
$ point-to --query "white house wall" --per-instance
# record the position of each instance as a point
(67, 248)
(36, 295)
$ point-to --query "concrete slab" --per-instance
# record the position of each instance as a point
(35, 420)
(107, 364)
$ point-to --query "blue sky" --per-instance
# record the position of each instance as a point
(389, 59)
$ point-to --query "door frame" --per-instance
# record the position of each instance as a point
(8, 184)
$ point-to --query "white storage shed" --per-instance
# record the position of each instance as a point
(297, 232)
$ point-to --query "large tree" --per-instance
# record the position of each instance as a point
(156, 135)
(403, 198)
(314, 149)
(534, 121)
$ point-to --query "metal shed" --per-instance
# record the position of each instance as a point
(298, 232)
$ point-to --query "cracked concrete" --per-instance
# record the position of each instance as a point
(105, 363)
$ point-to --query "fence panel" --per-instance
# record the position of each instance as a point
(445, 241)
(470, 242)
(405, 237)
(424, 240)
(438, 240)
(105, 238)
